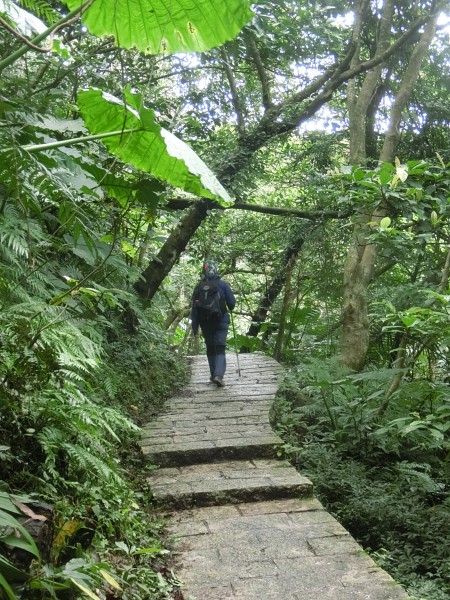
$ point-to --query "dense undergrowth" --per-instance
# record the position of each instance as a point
(385, 478)
(73, 445)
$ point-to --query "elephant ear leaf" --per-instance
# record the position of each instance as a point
(140, 141)
(156, 26)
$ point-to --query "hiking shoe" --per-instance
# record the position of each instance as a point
(211, 379)
(219, 381)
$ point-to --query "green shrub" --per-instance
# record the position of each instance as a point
(386, 481)
(140, 372)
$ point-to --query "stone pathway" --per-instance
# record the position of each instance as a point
(246, 522)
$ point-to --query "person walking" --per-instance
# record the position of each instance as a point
(211, 300)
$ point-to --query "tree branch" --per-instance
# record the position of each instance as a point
(104, 48)
(22, 38)
(264, 80)
(406, 86)
(341, 76)
(234, 92)
(292, 212)
(9, 60)
(358, 104)
(276, 122)
(181, 203)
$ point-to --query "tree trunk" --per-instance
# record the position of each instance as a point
(358, 104)
(287, 296)
(267, 300)
(298, 298)
(359, 265)
(177, 241)
(355, 322)
(144, 246)
(406, 88)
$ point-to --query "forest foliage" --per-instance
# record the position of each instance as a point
(315, 170)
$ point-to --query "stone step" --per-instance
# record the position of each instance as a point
(202, 432)
(280, 550)
(253, 390)
(247, 525)
(183, 451)
(239, 402)
(228, 482)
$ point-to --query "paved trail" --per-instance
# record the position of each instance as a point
(247, 523)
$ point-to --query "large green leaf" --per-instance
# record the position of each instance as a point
(148, 146)
(155, 26)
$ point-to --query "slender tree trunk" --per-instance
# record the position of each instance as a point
(284, 309)
(443, 285)
(355, 322)
(406, 88)
(370, 133)
(298, 298)
(175, 318)
(359, 265)
(173, 329)
(177, 241)
(144, 246)
(267, 300)
(358, 103)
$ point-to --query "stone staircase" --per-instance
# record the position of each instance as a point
(246, 523)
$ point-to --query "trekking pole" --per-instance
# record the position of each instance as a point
(235, 345)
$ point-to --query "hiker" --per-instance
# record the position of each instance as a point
(211, 298)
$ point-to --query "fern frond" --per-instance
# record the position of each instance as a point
(41, 9)
(110, 387)
(13, 235)
(89, 462)
(419, 473)
(72, 425)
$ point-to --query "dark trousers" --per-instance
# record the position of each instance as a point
(215, 334)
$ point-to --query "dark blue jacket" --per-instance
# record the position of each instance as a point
(225, 291)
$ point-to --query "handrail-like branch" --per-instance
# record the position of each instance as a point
(310, 215)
